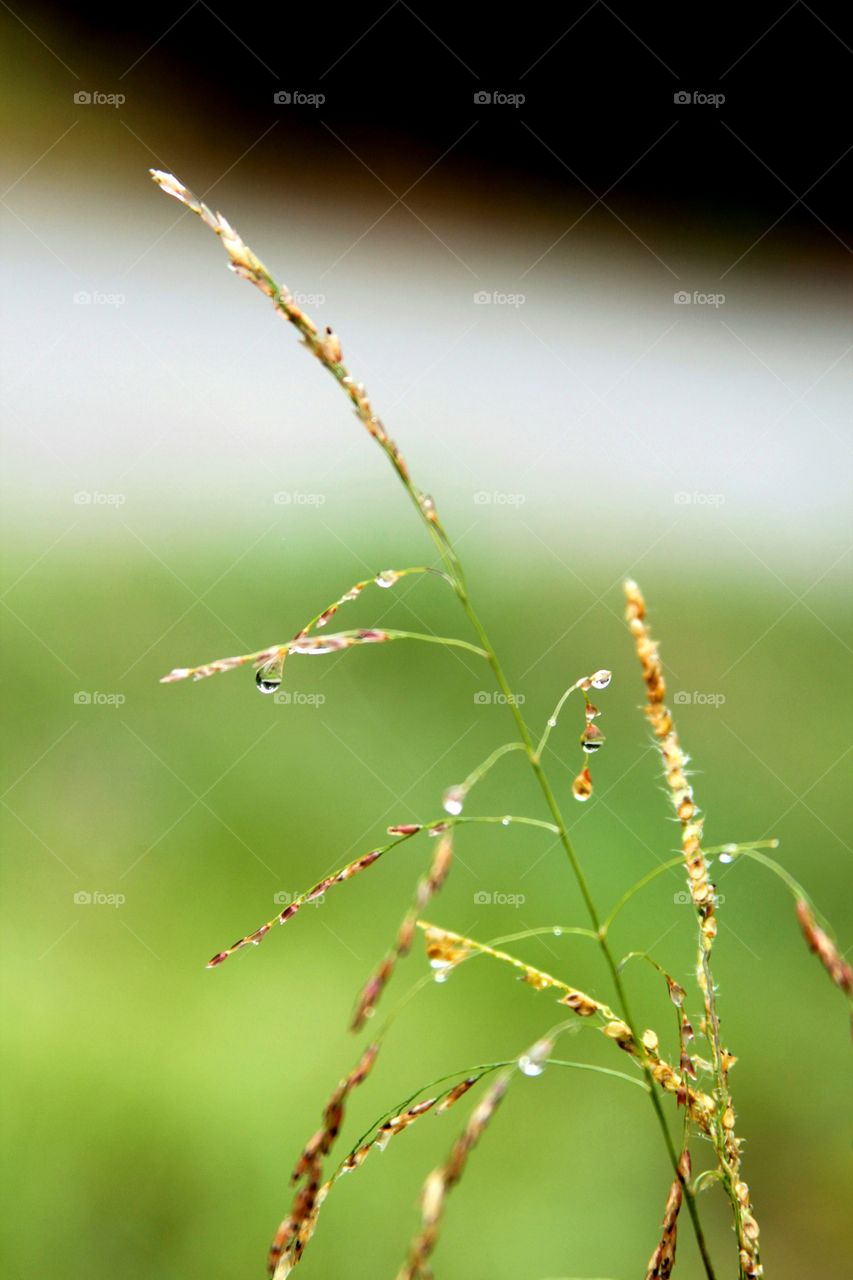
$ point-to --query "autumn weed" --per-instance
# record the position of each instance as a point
(692, 1088)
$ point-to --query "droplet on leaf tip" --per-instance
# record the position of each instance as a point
(453, 800)
(268, 677)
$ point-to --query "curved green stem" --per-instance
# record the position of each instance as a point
(731, 849)
(551, 722)
(482, 769)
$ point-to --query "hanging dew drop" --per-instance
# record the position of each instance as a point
(529, 1066)
(506, 821)
(601, 679)
(453, 800)
(558, 933)
(386, 578)
(268, 677)
(592, 739)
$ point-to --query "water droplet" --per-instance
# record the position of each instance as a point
(506, 821)
(592, 739)
(268, 677)
(601, 679)
(591, 712)
(441, 975)
(728, 855)
(558, 933)
(529, 1066)
(582, 785)
(552, 722)
(453, 800)
(386, 578)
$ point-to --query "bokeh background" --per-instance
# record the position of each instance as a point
(180, 483)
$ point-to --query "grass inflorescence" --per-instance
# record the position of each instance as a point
(694, 1086)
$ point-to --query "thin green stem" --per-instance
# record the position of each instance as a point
(553, 930)
(482, 769)
(730, 849)
(641, 884)
(551, 722)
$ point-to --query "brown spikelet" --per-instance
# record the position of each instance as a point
(316, 891)
(582, 785)
(444, 1178)
(662, 1261)
(825, 949)
(325, 346)
(296, 1230)
(428, 886)
(726, 1143)
(674, 760)
(453, 1095)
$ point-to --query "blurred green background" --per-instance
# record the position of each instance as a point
(153, 1109)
